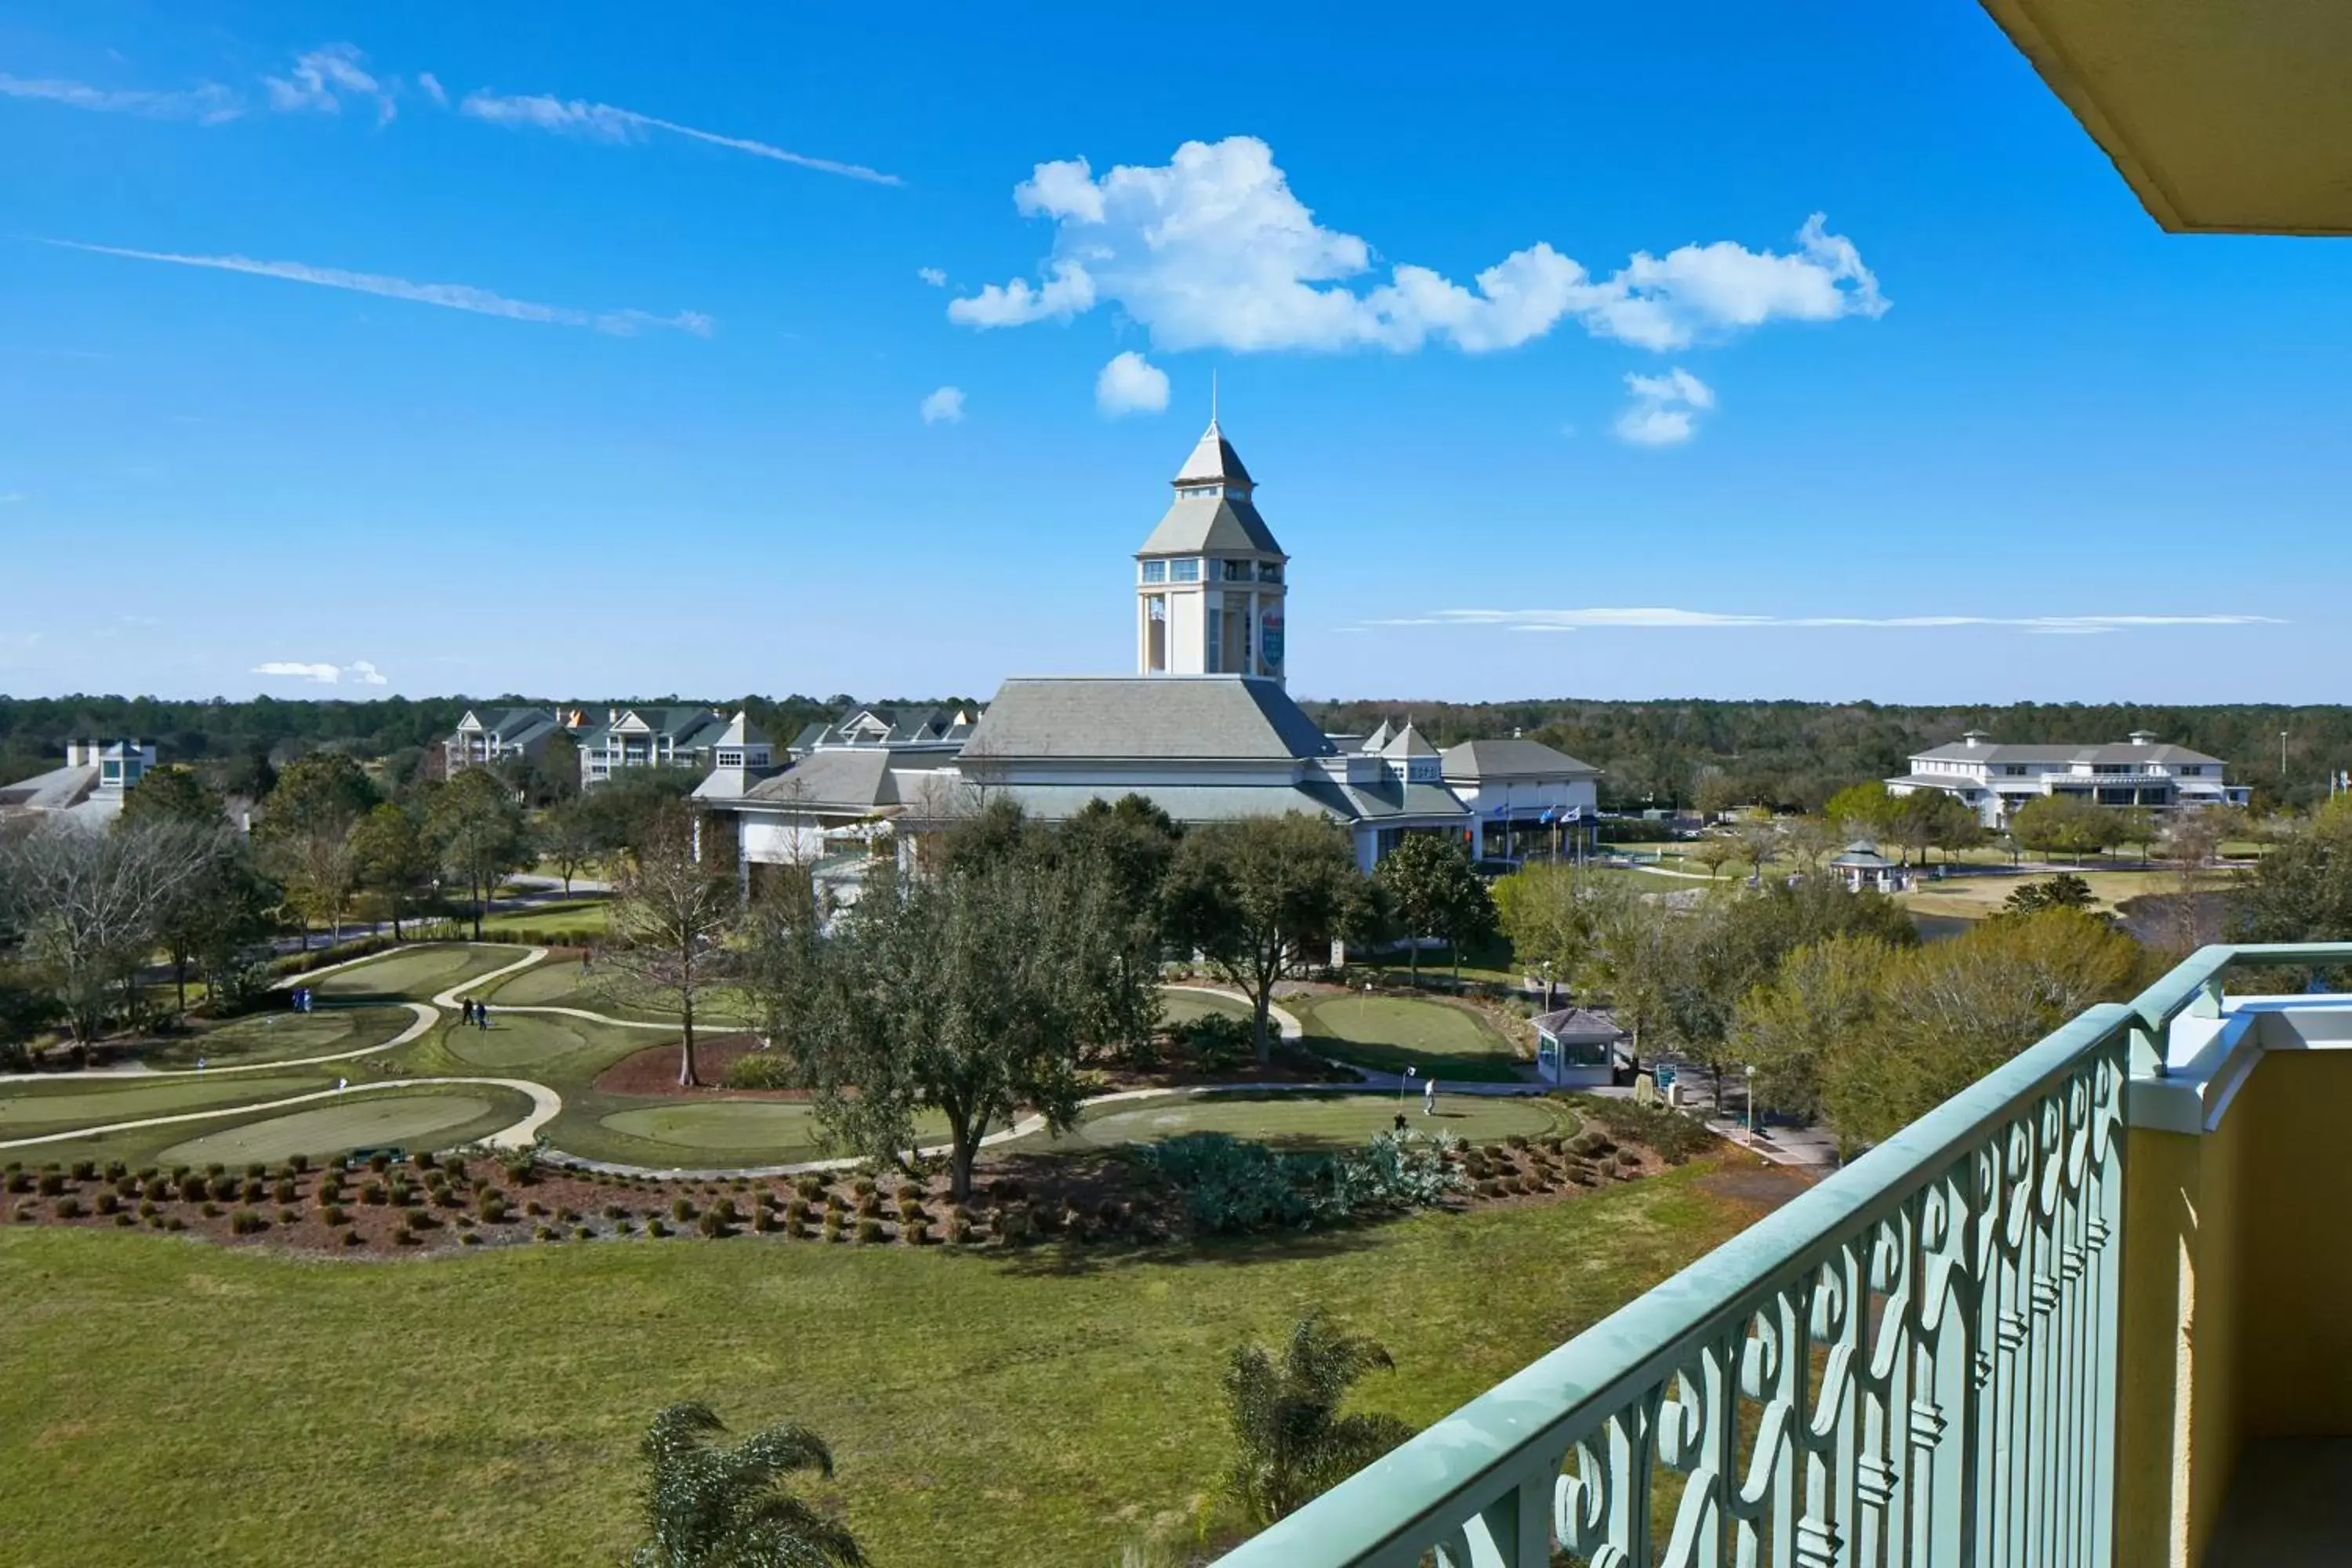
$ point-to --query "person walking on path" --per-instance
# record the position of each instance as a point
(1429, 1098)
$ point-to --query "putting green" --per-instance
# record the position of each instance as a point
(721, 1125)
(418, 972)
(285, 1036)
(1318, 1121)
(558, 983)
(83, 1104)
(525, 1039)
(1436, 1038)
(374, 1118)
(1177, 1005)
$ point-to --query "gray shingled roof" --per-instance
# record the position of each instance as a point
(1214, 458)
(1513, 758)
(2120, 751)
(1202, 717)
(1408, 743)
(1387, 798)
(840, 780)
(1216, 524)
(1578, 1024)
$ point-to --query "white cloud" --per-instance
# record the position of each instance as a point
(1130, 384)
(450, 296)
(1214, 249)
(932, 276)
(944, 406)
(209, 104)
(321, 79)
(1666, 408)
(360, 672)
(1068, 292)
(1652, 618)
(430, 85)
(604, 122)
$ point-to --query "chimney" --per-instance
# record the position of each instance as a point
(2142, 737)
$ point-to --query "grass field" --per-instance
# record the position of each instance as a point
(1392, 1033)
(1179, 1006)
(426, 1117)
(174, 1402)
(1312, 1121)
(417, 972)
(284, 1036)
(1977, 895)
(577, 914)
(29, 1109)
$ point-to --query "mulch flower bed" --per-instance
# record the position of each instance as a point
(423, 1203)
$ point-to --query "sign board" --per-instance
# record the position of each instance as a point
(1666, 1073)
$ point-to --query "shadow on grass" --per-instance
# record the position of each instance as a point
(1061, 1258)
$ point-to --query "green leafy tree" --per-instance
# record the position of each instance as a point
(1715, 854)
(1291, 1441)
(305, 836)
(713, 1505)
(393, 860)
(626, 807)
(671, 914)
(26, 1009)
(2063, 824)
(479, 833)
(571, 837)
(1129, 845)
(1863, 811)
(2063, 891)
(558, 769)
(972, 993)
(174, 795)
(1545, 911)
(1431, 890)
(1258, 895)
(2301, 890)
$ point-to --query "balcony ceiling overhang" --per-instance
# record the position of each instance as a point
(2224, 118)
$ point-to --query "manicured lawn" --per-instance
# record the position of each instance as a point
(1179, 1005)
(1392, 1033)
(1314, 1120)
(1976, 895)
(417, 972)
(579, 914)
(426, 1117)
(560, 983)
(30, 1110)
(169, 1402)
(564, 1051)
(285, 1036)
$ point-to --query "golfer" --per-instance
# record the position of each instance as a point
(1429, 1098)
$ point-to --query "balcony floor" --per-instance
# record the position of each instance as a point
(2290, 1504)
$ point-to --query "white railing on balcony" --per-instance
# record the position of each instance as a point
(1914, 1362)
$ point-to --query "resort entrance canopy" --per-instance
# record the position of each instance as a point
(2224, 116)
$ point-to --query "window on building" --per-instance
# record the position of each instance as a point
(2012, 770)
(2192, 771)
(1216, 638)
(1236, 571)
(2113, 768)
(730, 759)
(1155, 570)
(1155, 633)
(1183, 570)
(1270, 571)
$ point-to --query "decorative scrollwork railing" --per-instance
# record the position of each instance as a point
(1912, 1364)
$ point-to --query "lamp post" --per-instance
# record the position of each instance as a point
(1751, 1104)
(2281, 754)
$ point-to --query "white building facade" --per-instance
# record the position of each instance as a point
(1210, 583)
(1995, 780)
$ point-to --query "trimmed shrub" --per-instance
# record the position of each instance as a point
(959, 1230)
(51, 1184)
(109, 1203)
(714, 1222)
(681, 1210)
(471, 1238)
(125, 1219)
(284, 1192)
(378, 1164)
(656, 1227)
(289, 1216)
(245, 1222)
(171, 1221)
(797, 1210)
(614, 1210)
(353, 1238)
(583, 1233)
(211, 1210)
(334, 1216)
(915, 1233)
(869, 1230)
(404, 1237)
(252, 1190)
(809, 1184)
(148, 1210)
(545, 1233)
(1015, 1223)
(85, 1170)
(494, 1210)
(68, 1207)
(372, 1193)
(297, 1164)
(863, 1186)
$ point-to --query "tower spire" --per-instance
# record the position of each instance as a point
(1213, 398)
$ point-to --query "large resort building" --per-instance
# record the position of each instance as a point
(1203, 729)
(1994, 780)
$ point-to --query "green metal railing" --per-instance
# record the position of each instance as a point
(1913, 1363)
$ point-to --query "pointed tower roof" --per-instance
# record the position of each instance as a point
(742, 732)
(1214, 461)
(1222, 520)
(1377, 739)
(1408, 743)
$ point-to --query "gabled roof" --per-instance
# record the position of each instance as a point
(1578, 1024)
(1159, 717)
(839, 780)
(1214, 460)
(1377, 739)
(1474, 760)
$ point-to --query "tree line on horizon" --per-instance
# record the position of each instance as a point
(1703, 755)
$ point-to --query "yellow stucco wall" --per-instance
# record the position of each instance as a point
(2237, 1299)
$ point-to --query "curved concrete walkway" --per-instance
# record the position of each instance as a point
(546, 1105)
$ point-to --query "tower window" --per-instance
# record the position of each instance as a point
(1183, 570)
(1236, 571)
(1155, 570)
(1270, 571)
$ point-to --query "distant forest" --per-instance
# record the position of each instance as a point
(1792, 756)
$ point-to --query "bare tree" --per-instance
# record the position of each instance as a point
(93, 906)
(670, 916)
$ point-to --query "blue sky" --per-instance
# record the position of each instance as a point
(458, 348)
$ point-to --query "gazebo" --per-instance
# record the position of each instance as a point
(1576, 1047)
(1865, 869)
